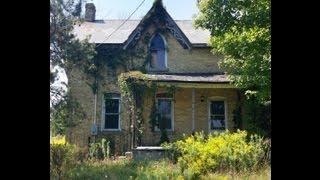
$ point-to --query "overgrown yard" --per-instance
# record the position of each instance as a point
(216, 156)
(163, 169)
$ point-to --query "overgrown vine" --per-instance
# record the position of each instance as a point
(134, 85)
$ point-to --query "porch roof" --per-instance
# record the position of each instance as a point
(191, 78)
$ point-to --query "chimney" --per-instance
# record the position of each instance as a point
(90, 13)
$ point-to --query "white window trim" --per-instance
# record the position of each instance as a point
(165, 53)
(104, 115)
(218, 98)
(172, 114)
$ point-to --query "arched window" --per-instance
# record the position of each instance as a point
(158, 53)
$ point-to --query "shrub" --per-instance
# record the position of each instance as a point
(164, 137)
(171, 151)
(80, 154)
(220, 152)
(61, 156)
(257, 117)
(105, 148)
(100, 150)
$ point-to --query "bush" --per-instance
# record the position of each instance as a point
(100, 150)
(61, 156)
(171, 151)
(164, 137)
(220, 152)
(257, 117)
(81, 154)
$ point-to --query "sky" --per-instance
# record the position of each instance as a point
(121, 9)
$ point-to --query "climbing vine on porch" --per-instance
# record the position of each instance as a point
(134, 85)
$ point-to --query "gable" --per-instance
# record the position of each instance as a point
(159, 17)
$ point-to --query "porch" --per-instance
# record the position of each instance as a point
(199, 103)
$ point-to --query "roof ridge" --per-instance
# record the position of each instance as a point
(118, 20)
(183, 20)
(136, 20)
(191, 74)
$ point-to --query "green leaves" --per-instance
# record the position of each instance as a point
(61, 157)
(65, 50)
(66, 113)
(241, 32)
(220, 16)
(224, 151)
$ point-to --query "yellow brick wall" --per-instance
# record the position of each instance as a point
(201, 108)
(196, 60)
(82, 92)
(179, 60)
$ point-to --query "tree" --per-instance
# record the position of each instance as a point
(66, 52)
(66, 113)
(240, 31)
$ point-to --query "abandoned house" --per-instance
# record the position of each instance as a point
(193, 94)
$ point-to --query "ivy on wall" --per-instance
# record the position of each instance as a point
(134, 85)
(153, 117)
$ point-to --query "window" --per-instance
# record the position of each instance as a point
(164, 111)
(217, 115)
(111, 112)
(158, 53)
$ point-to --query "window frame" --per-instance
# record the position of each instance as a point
(103, 122)
(150, 68)
(172, 113)
(225, 113)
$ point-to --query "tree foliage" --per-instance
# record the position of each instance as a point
(240, 30)
(66, 52)
(66, 113)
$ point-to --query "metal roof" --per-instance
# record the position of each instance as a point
(101, 29)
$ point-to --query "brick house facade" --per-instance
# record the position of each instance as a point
(181, 57)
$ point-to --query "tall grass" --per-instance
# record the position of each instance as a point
(220, 156)
(124, 169)
(143, 170)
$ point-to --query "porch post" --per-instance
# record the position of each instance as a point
(193, 116)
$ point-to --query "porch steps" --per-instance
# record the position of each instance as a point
(148, 153)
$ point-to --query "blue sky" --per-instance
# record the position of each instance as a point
(121, 9)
